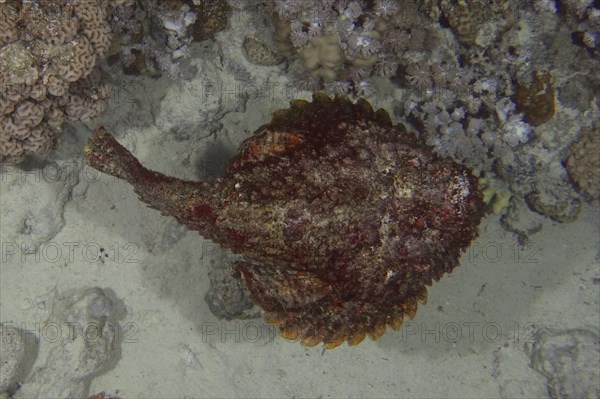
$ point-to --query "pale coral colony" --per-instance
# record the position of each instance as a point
(52, 55)
(508, 88)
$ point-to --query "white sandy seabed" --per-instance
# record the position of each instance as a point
(65, 227)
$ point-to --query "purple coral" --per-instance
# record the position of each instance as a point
(287, 9)
(351, 10)
(338, 87)
(363, 44)
(396, 40)
(385, 66)
(443, 73)
(365, 88)
(417, 39)
(368, 24)
(298, 35)
(356, 73)
(419, 76)
(307, 82)
(345, 26)
(317, 20)
(516, 131)
(386, 8)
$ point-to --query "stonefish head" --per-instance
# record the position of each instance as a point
(342, 218)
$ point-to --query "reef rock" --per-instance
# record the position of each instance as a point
(342, 218)
(569, 359)
(81, 352)
(16, 354)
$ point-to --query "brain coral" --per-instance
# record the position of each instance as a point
(48, 51)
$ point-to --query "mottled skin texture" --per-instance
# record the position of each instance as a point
(342, 218)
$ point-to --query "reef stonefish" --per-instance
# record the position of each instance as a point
(342, 219)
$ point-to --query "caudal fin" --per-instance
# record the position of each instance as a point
(105, 154)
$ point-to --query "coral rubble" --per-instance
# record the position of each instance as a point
(342, 218)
